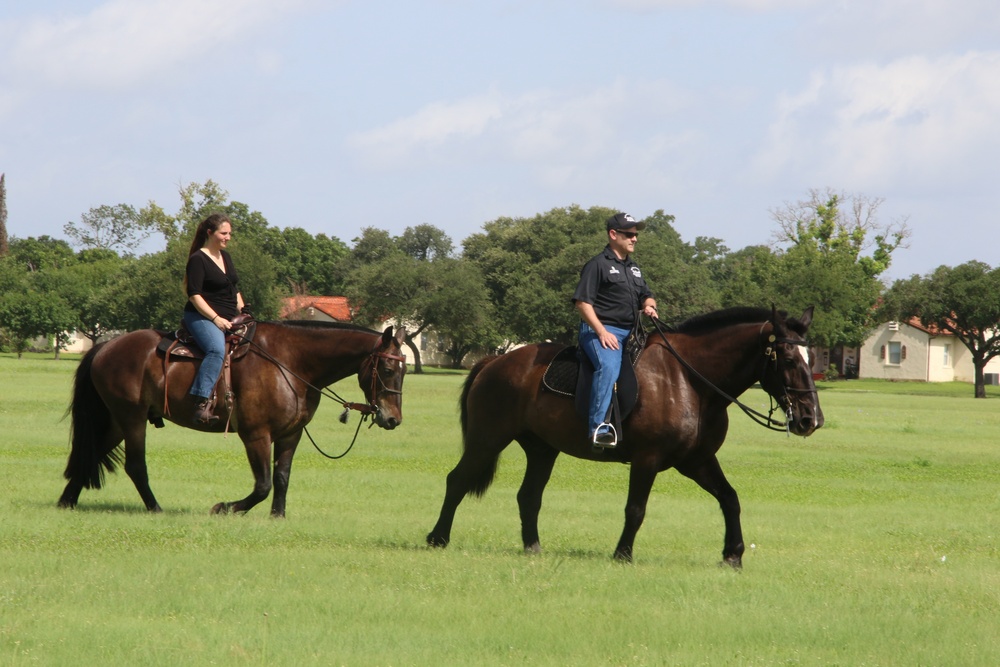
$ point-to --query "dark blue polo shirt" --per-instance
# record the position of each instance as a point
(614, 287)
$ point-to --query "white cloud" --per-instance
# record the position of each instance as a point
(549, 131)
(916, 122)
(123, 41)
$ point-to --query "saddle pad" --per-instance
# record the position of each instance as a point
(562, 372)
(567, 375)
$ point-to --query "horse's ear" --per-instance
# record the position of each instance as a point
(386, 336)
(401, 336)
(807, 317)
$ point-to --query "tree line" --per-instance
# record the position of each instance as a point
(508, 283)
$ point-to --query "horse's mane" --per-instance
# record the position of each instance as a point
(718, 319)
(315, 324)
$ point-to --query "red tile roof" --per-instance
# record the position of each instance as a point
(335, 307)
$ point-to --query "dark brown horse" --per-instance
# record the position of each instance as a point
(679, 421)
(277, 386)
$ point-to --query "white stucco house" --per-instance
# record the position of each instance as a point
(910, 351)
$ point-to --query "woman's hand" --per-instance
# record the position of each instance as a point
(222, 323)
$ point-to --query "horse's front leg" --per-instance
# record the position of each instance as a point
(541, 459)
(135, 459)
(284, 451)
(710, 477)
(640, 484)
(258, 450)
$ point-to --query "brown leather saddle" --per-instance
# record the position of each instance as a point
(180, 344)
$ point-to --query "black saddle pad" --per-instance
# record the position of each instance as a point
(570, 373)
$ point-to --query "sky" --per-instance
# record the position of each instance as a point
(333, 115)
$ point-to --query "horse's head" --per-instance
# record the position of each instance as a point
(381, 378)
(788, 373)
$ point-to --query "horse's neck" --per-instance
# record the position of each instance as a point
(328, 355)
(730, 358)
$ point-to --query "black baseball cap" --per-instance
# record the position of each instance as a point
(624, 221)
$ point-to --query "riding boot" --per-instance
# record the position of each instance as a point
(203, 413)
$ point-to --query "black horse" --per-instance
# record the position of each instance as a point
(680, 419)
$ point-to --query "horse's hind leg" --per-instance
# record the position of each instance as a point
(710, 477)
(83, 469)
(541, 458)
(473, 474)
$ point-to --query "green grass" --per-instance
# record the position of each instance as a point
(874, 543)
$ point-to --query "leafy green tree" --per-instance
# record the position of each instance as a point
(390, 288)
(120, 228)
(457, 305)
(309, 264)
(41, 253)
(964, 301)
(836, 251)
(746, 277)
(425, 242)
(531, 267)
(393, 277)
(31, 314)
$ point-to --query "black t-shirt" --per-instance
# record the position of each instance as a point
(217, 288)
(614, 287)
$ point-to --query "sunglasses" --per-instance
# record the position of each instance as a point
(628, 235)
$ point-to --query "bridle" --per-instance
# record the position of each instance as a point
(370, 408)
(770, 356)
(366, 409)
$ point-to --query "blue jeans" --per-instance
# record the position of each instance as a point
(607, 366)
(212, 342)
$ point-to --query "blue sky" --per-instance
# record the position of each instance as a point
(333, 116)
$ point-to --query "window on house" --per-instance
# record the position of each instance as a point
(946, 355)
(895, 352)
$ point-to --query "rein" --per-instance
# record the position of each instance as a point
(767, 421)
(366, 409)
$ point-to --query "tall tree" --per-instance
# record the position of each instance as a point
(4, 244)
(836, 250)
(964, 301)
(425, 242)
(119, 228)
(531, 267)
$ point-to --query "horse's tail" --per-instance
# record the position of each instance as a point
(485, 479)
(91, 420)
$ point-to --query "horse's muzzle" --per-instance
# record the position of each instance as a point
(806, 420)
(388, 422)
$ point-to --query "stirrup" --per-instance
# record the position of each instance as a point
(606, 440)
(203, 413)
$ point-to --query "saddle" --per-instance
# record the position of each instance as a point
(570, 373)
(180, 344)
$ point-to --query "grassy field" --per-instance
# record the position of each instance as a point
(874, 542)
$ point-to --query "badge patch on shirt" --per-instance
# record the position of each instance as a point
(636, 272)
(614, 270)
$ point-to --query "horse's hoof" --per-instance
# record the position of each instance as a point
(221, 508)
(535, 548)
(66, 505)
(435, 541)
(623, 556)
(735, 562)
